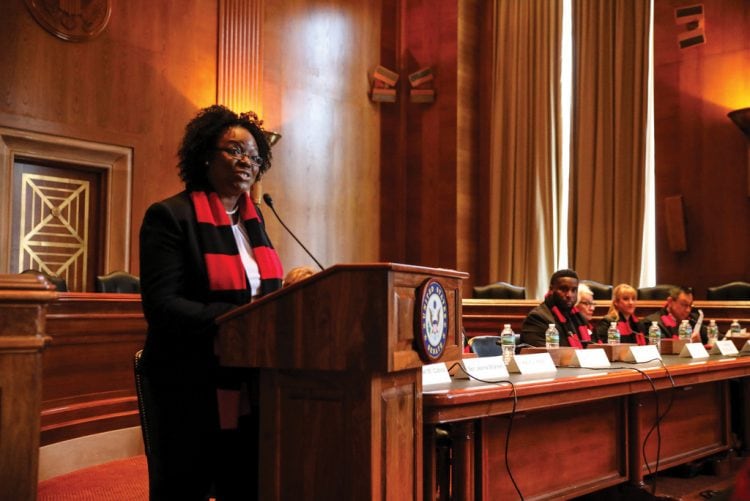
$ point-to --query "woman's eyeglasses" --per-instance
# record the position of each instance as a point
(238, 154)
(590, 304)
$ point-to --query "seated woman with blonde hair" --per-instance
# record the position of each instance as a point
(622, 312)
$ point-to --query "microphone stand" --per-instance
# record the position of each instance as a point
(269, 202)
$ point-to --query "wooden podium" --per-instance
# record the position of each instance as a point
(23, 306)
(340, 380)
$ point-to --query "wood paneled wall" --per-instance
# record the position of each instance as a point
(430, 152)
(700, 154)
(362, 181)
(136, 85)
(357, 181)
(140, 81)
(325, 176)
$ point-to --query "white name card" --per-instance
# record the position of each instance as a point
(486, 369)
(594, 358)
(643, 354)
(725, 347)
(533, 363)
(694, 350)
(435, 374)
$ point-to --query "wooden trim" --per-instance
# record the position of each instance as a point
(88, 384)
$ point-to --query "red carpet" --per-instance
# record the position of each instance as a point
(121, 480)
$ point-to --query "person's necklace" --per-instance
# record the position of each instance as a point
(232, 216)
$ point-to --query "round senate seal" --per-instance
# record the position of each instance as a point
(71, 20)
(433, 321)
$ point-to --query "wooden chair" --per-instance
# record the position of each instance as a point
(732, 291)
(486, 346)
(58, 282)
(600, 290)
(660, 291)
(146, 410)
(499, 290)
(118, 281)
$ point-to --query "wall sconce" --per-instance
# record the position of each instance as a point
(256, 190)
(272, 137)
(383, 85)
(741, 118)
(421, 86)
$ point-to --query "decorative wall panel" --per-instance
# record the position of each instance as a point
(53, 234)
(240, 55)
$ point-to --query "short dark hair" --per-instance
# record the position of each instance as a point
(675, 292)
(562, 274)
(201, 135)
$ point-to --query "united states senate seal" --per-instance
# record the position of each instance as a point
(433, 320)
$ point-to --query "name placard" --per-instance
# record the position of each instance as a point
(534, 363)
(435, 374)
(594, 358)
(725, 347)
(642, 354)
(487, 369)
(694, 350)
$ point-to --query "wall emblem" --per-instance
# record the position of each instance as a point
(433, 321)
(71, 20)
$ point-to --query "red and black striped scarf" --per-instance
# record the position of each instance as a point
(227, 279)
(629, 330)
(574, 327)
(226, 272)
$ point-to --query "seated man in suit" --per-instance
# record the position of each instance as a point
(679, 306)
(557, 308)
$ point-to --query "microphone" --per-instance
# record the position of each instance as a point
(269, 202)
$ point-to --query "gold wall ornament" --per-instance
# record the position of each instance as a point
(54, 226)
(71, 20)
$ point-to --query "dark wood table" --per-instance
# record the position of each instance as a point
(578, 430)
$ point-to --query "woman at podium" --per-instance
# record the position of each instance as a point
(203, 252)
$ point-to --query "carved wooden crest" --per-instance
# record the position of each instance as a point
(71, 20)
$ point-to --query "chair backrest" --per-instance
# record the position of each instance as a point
(733, 291)
(660, 291)
(58, 282)
(499, 290)
(146, 410)
(486, 346)
(600, 290)
(118, 281)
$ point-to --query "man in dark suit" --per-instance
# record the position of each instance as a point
(679, 307)
(557, 308)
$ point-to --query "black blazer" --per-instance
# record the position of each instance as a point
(177, 303)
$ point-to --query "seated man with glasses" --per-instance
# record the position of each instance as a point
(679, 307)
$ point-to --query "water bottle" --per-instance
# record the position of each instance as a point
(508, 342)
(654, 334)
(735, 329)
(685, 331)
(613, 335)
(552, 337)
(713, 332)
